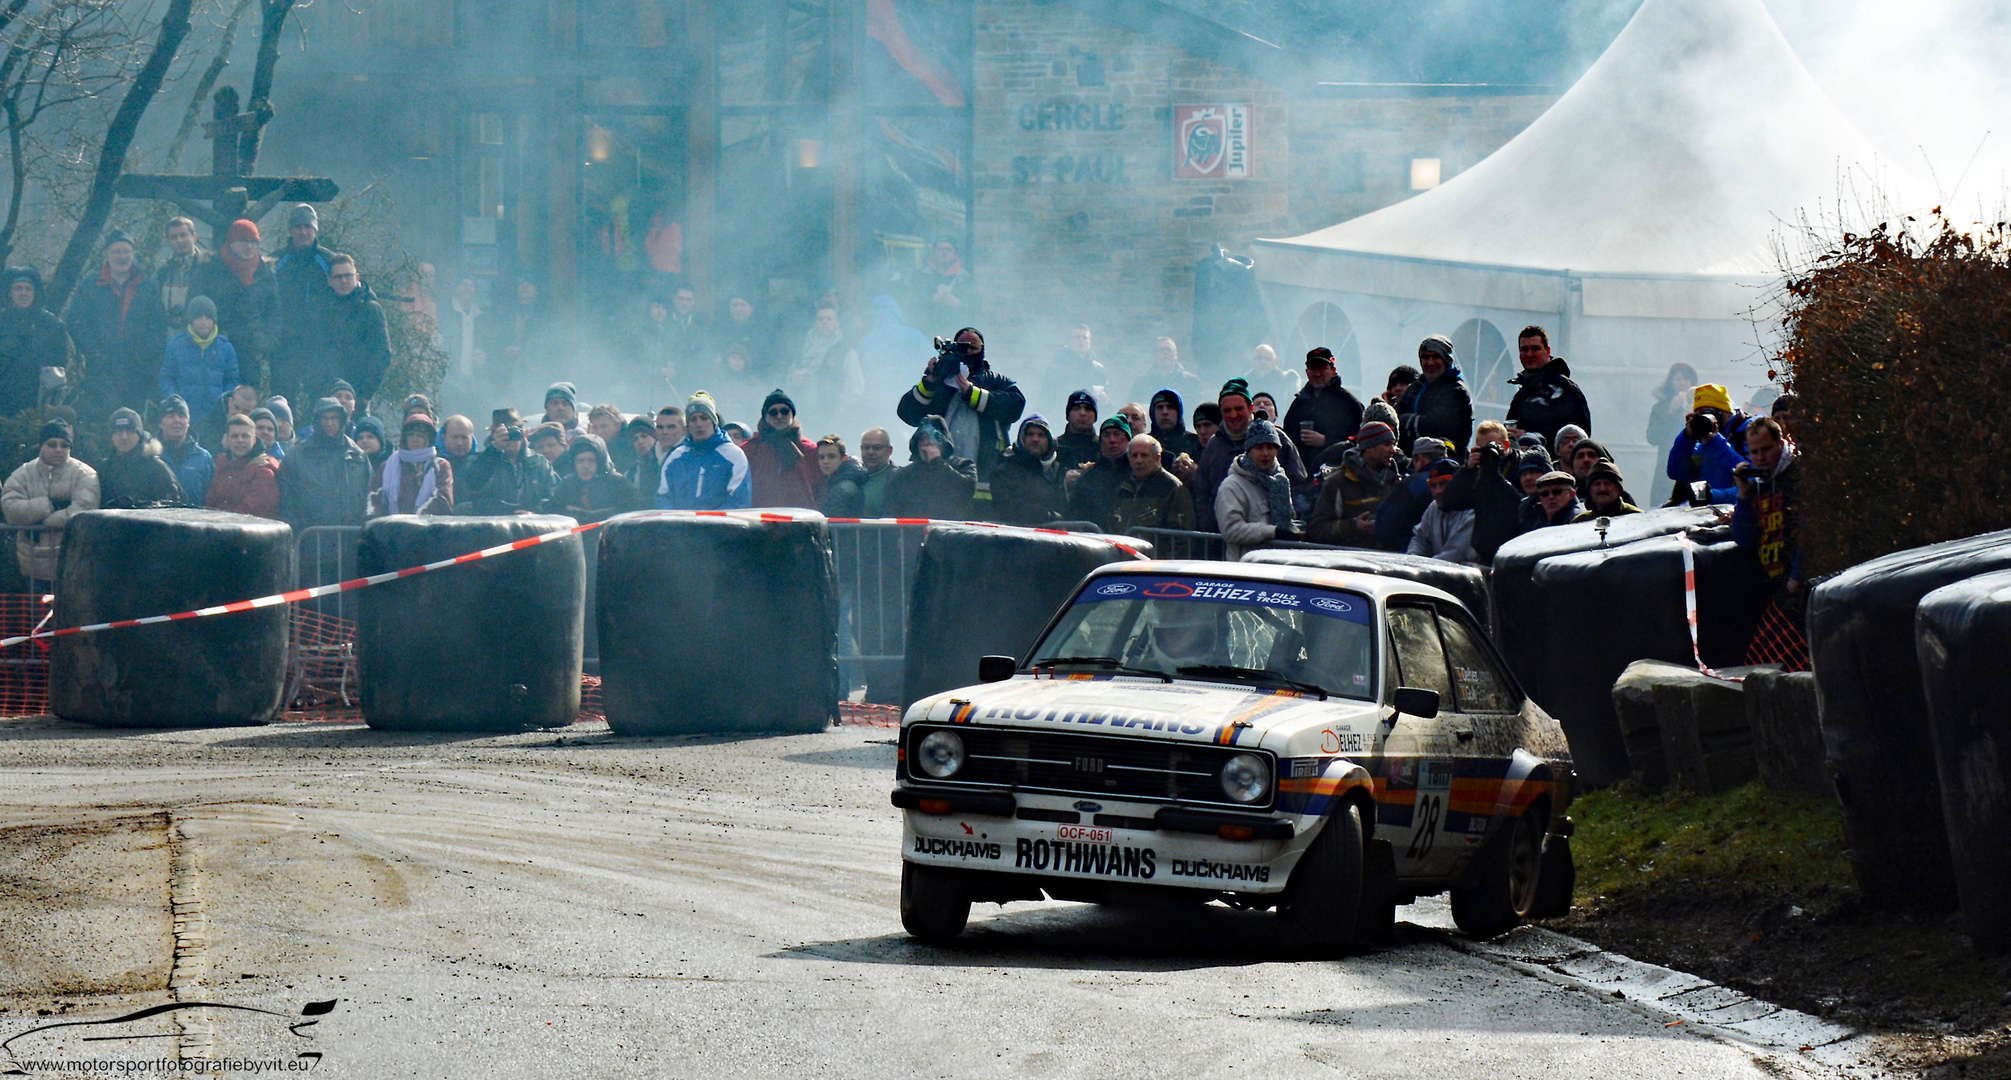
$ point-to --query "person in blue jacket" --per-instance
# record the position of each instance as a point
(201, 364)
(194, 466)
(1701, 453)
(706, 471)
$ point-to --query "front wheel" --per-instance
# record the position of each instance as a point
(1503, 880)
(934, 906)
(1322, 902)
(1554, 884)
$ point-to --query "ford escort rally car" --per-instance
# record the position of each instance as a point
(1327, 744)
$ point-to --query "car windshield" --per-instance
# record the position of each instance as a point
(1218, 630)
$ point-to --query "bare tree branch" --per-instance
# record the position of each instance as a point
(146, 85)
(271, 25)
(204, 87)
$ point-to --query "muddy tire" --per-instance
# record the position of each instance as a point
(934, 905)
(1502, 880)
(1322, 903)
(1555, 882)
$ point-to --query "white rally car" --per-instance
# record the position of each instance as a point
(1329, 744)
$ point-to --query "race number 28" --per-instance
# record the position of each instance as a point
(1429, 809)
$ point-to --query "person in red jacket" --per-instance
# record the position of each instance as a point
(781, 463)
(247, 479)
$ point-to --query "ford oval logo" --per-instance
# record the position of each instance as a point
(1088, 807)
(1116, 588)
(1327, 603)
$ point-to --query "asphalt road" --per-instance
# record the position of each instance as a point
(574, 904)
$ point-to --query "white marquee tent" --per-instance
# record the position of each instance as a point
(1637, 220)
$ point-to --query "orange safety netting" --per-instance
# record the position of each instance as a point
(24, 669)
(1778, 641)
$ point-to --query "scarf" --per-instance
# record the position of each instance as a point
(788, 452)
(1277, 489)
(394, 476)
(204, 342)
(243, 271)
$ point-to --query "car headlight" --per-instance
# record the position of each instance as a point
(940, 754)
(1246, 778)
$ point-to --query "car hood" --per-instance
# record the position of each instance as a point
(1193, 711)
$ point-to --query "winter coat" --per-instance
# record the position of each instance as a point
(1027, 490)
(350, 340)
(939, 489)
(1769, 524)
(1529, 516)
(1397, 516)
(996, 399)
(30, 340)
(777, 481)
(1095, 491)
(139, 480)
(1491, 491)
(39, 495)
(301, 279)
(1331, 410)
(708, 475)
(118, 330)
(411, 477)
(1351, 489)
(497, 485)
(1159, 501)
(1243, 509)
(1712, 463)
(1221, 453)
(324, 482)
(173, 285)
(202, 376)
(604, 496)
(1076, 449)
(844, 491)
(247, 485)
(1546, 399)
(193, 468)
(1440, 410)
(1444, 534)
(873, 488)
(1176, 440)
(247, 314)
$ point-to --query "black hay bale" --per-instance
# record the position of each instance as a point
(712, 623)
(1875, 728)
(1963, 639)
(1606, 608)
(990, 592)
(1519, 628)
(217, 671)
(490, 645)
(1468, 583)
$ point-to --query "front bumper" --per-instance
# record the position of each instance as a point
(1040, 836)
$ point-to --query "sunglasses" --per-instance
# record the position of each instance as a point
(1553, 493)
(781, 410)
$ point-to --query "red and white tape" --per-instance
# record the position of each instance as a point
(297, 595)
(1690, 605)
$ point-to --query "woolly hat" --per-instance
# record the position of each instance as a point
(302, 214)
(1374, 433)
(1262, 433)
(1711, 396)
(1606, 470)
(1209, 411)
(1118, 421)
(1444, 466)
(563, 391)
(330, 405)
(370, 425)
(340, 385)
(174, 405)
(777, 397)
(124, 419)
(262, 413)
(420, 420)
(1573, 430)
(1533, 461)
(242, 229)
(1437, 343)
(702, 402)
(202, 307)
(117, 236)
(418, 403)
(1238, 387)
(1378, 409)
(1080, 397)
(282, 410)
(545, 431)
(640, 422)
(56, 428)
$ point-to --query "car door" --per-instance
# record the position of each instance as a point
(1415, 772)
(1486, 723)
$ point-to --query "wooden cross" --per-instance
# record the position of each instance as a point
(226, 194)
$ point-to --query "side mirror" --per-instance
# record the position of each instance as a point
(1422, 704)
(999, 668)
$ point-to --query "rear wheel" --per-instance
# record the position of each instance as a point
(934, 906)
(1323, 900)
(1502, 881)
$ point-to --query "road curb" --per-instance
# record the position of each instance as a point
(1680, 997)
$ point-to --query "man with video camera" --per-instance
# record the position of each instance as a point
(976, 405)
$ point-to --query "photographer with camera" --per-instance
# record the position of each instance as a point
(1702, 453)
(976, 406)
(1766, 519)
(1488, 486)
(508, 477)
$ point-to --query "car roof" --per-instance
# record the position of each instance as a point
(1374, 585)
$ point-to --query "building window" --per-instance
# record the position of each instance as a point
(1488, 361)
(1424, 172)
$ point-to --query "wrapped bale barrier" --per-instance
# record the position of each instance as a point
(1875, 729)
(1603, 609)
(217, 671)
(1963, 635)
(1468, 583)
(1519, 628)
(512, 659)
(990, 592)
(712, 623)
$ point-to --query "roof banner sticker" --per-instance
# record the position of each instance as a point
(1331, 603)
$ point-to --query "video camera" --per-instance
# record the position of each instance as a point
(953, 355)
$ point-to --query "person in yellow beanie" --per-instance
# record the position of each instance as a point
(1706, 451)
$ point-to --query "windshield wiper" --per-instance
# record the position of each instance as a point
(1108, 663)
(1253, 674)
